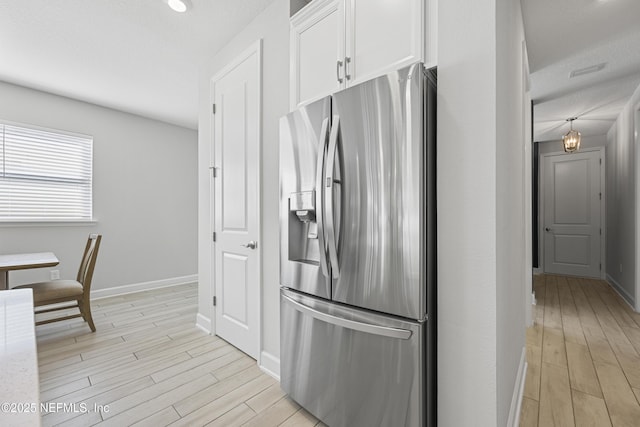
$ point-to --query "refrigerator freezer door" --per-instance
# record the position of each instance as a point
(350, 367)
(381, 162)
(304, 137)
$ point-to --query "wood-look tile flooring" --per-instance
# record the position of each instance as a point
(584, 356)
(148, 365)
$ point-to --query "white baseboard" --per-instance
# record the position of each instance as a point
(534, 301)
(518, 391)
(144, 286)
(530, 312)
(204, 323)
(629, 299)
(270, 364)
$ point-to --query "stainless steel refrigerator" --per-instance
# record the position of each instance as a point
(357, 253)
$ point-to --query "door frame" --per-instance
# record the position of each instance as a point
(603, 200)
(254, 48)
(636, 142)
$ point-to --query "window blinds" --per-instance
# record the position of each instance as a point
(44, 175)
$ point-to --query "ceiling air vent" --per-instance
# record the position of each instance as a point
(587, 70)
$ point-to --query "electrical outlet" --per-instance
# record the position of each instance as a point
(55, 274)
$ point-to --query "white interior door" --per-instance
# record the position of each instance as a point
(572, 214)
(236, 148)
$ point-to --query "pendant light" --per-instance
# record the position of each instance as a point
(571, 141)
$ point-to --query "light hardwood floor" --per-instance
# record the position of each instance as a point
(584, 356)
(148, 365)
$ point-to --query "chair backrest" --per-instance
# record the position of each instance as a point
(88, 263)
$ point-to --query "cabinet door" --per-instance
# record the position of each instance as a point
(317, 44)
(382, 36)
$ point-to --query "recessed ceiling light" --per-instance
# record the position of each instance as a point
(178, 5)
(587, 70)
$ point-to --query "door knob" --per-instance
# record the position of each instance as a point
(548, 229)
(251, 245)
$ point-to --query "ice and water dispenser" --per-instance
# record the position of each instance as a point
(303, 228)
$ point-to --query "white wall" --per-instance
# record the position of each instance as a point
(481, 217)
(622, 159)
(272, 25)
(144, 194)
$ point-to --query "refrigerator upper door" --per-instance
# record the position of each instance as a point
(304, 136)
(377, 189)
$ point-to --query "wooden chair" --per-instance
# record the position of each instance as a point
(60, 291)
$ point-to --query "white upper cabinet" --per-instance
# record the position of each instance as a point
(339, 43)
(382, 36)
(317, 51)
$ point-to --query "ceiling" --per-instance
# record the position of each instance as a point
(567, 35)
(141, 57)
(137, 56)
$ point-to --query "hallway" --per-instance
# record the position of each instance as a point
(584, 356)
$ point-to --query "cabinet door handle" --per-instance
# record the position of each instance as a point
(347, 60)
(338, 65)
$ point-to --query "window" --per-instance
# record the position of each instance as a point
(45, 175)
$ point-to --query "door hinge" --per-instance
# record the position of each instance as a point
(214, 236)
(600, 266)
(600, 161)
(214, 171)
(214, 301)
(600, 194)
(213, 109)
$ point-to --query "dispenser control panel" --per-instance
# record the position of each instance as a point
(303, 204)
(302, 201)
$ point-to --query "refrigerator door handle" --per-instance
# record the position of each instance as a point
(331, 232)
(385, 331)
(322, 150)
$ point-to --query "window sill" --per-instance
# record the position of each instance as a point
(49, 223)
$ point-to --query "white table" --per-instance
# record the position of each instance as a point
(19, 386)
(23, 262)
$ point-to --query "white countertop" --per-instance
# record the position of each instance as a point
(19, 387)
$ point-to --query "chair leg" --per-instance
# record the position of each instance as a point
(85, 309)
